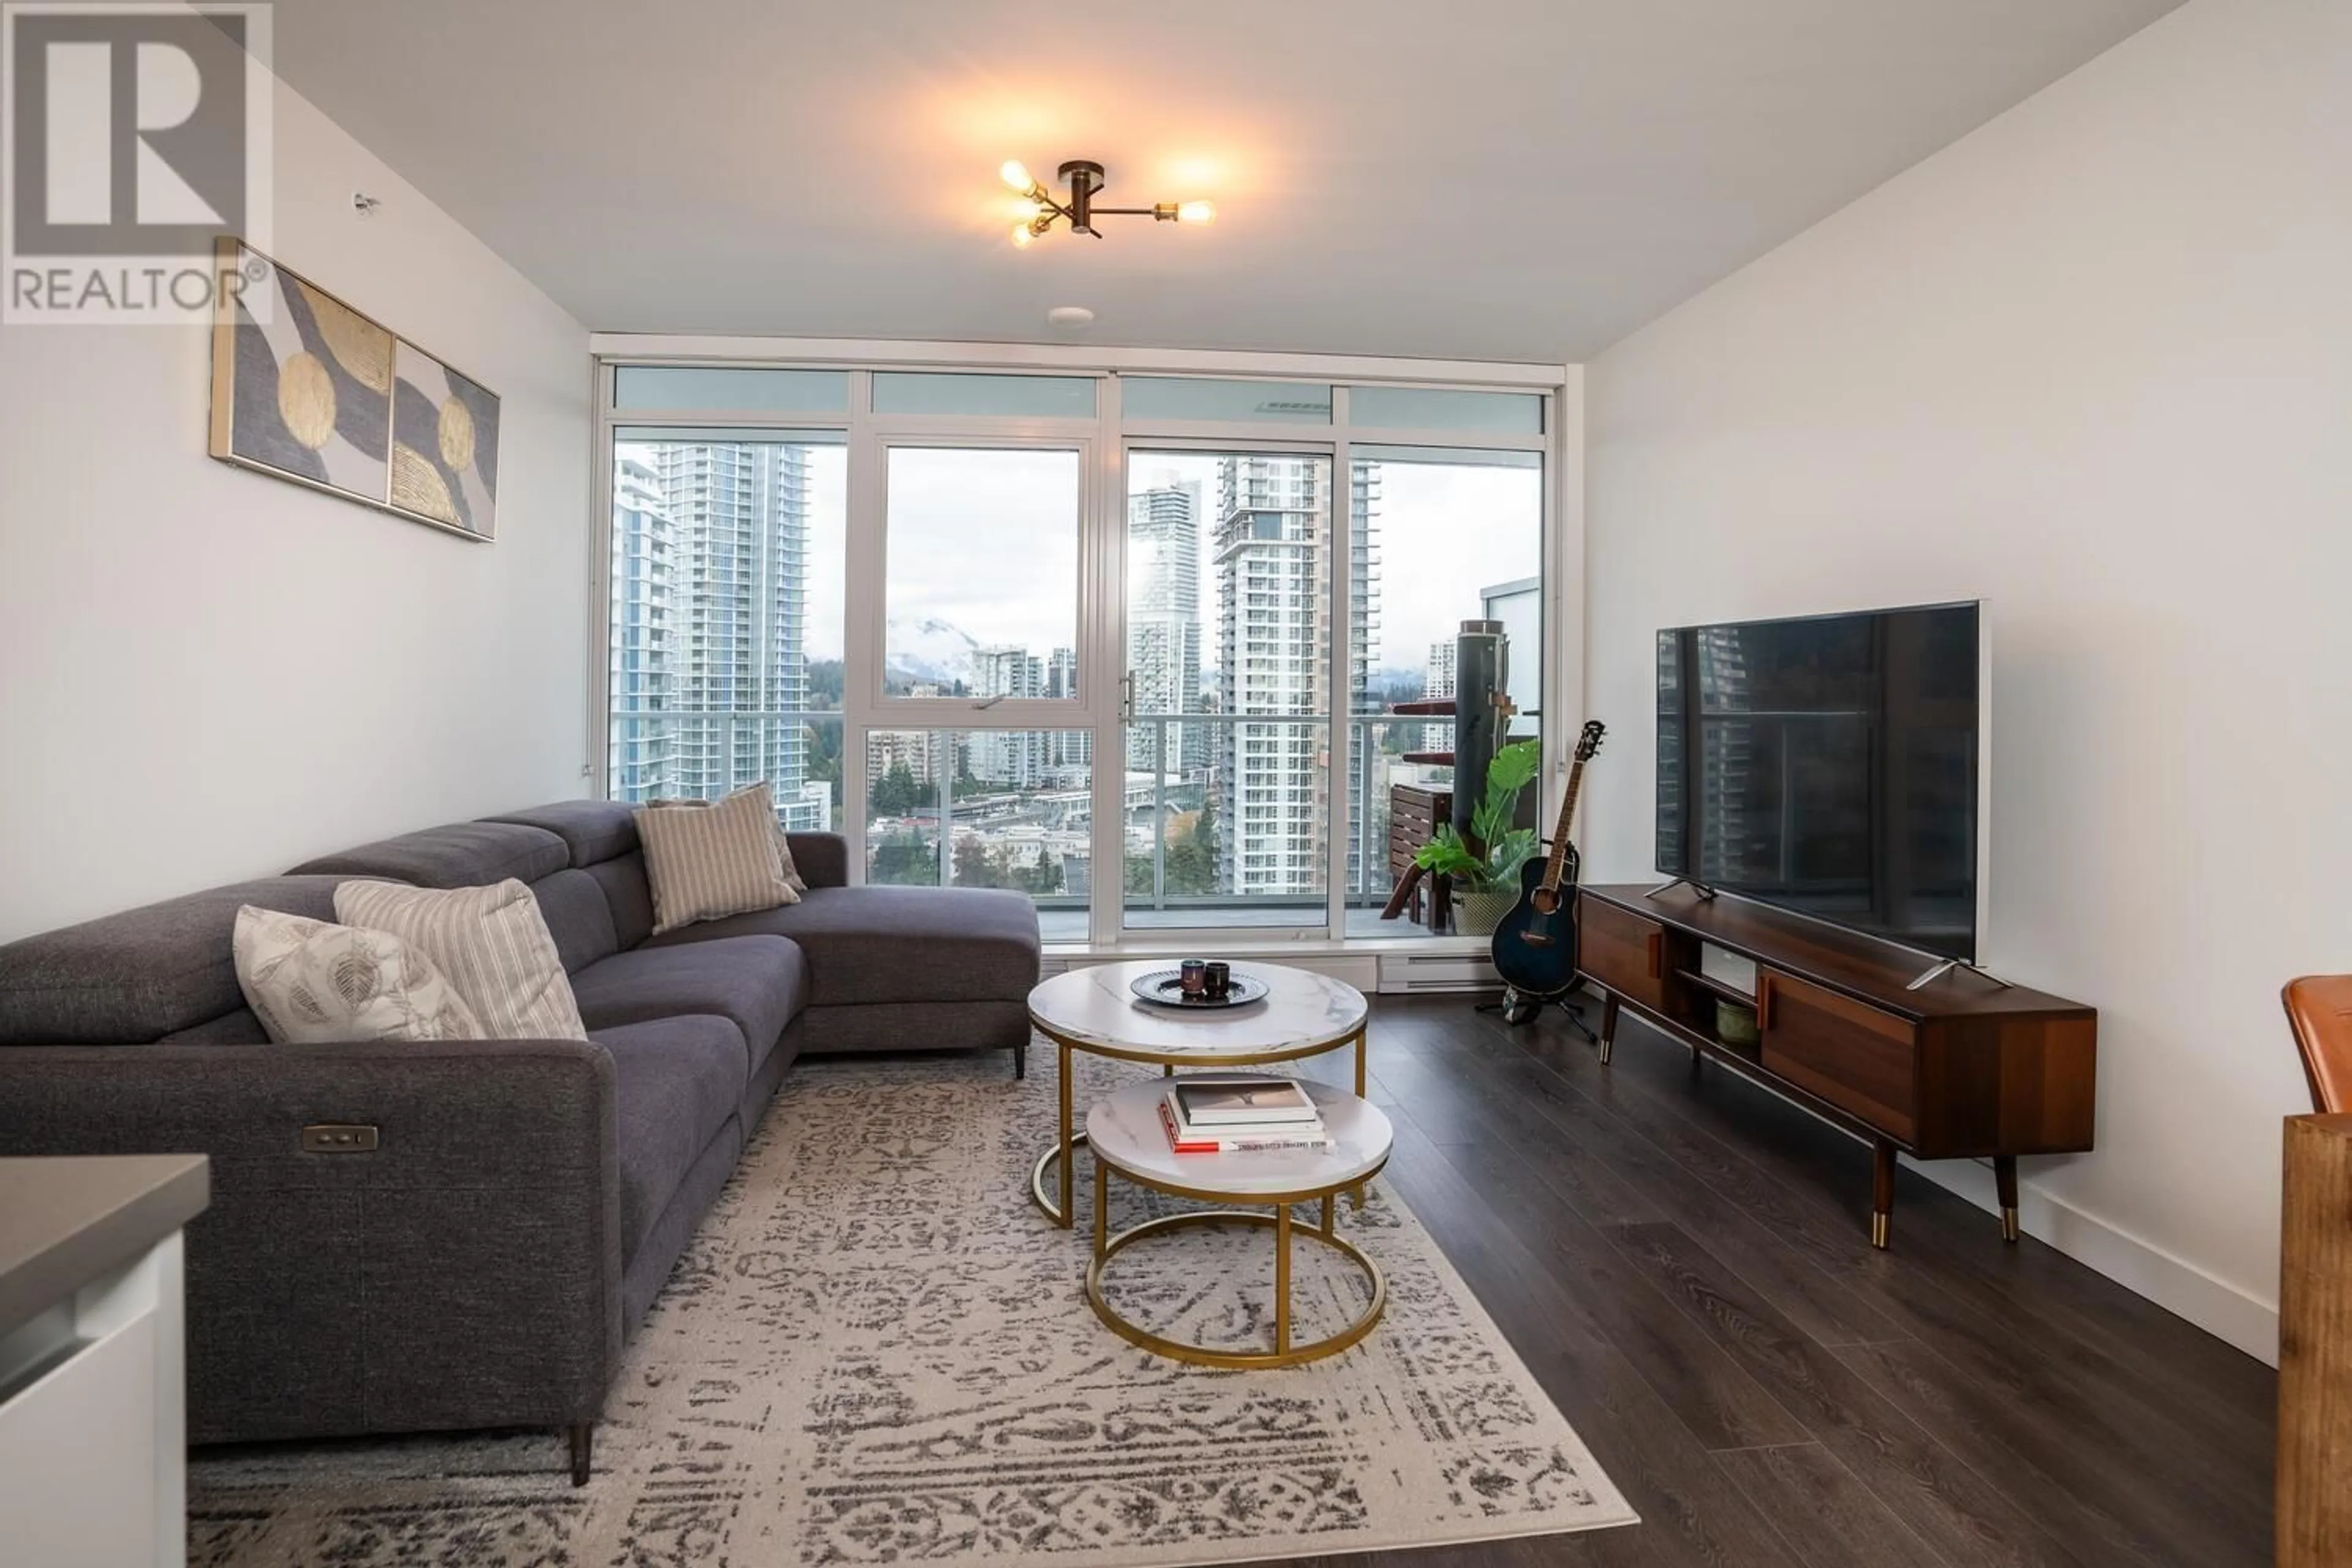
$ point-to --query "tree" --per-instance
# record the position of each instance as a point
(978, 866)
(824, 682)
(1192, 859)
(898, 792)
(824, 743)
(1043, 877)
(907, 861)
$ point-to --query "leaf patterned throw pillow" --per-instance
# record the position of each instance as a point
(310, 981)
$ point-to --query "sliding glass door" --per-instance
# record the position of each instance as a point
(1230, 664)
(1459, 533)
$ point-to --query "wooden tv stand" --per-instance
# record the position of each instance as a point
(1963, 1067)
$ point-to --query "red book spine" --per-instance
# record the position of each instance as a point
(1176, 1141)
(1183, 1146)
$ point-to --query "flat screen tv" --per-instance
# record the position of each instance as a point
(1831, 765)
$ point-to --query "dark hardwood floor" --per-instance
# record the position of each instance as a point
(1682, 1261)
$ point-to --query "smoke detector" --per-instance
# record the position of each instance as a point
(1071, 318)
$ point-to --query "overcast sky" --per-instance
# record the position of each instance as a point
(988, 542)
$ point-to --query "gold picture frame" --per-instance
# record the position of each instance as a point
(307, 389)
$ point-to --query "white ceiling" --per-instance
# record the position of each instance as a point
(1497, 179)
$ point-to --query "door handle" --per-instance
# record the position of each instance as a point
(1763, 1000)
(1657, 955)
(1127, 698)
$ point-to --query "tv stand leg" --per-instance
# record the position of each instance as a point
(2004, 1178)
(1946, 967)
(1608, 1026)
(1882, 1193)
(1705, 894)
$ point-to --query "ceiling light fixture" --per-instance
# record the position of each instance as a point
(1084, 179)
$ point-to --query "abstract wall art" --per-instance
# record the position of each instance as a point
(445, 445)
(306, 388)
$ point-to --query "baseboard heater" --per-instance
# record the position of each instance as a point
(1405, 973)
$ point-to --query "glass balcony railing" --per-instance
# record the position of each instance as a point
(1015, 808)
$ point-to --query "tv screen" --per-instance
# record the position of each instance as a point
(1828, 765)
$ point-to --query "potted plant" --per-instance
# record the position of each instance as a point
(1486, 865)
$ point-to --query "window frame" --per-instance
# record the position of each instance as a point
(1104, 443)
(955, 712)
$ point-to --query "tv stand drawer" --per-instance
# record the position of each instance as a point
(1858, 1058)
(1623, 951)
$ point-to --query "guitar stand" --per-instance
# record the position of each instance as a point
(1518, 1009)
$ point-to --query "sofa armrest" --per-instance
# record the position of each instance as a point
(464, 1272)
(822, 858)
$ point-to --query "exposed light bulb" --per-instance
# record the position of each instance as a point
(1196, 212)
(1023, 236)
(1015, 174)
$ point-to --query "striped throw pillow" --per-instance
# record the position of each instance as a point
(714, 860)
(793, 878)
(492, 943)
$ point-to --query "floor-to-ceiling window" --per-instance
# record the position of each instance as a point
(1459, 538)
(1131, 645)
(726, 655)
(1230, 668)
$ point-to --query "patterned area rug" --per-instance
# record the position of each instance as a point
(876, 1351)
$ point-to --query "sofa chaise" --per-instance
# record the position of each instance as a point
(479, 1259)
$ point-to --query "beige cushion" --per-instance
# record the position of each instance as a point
(706, 862)
(310, 981)
(793, 878)
(492, 944)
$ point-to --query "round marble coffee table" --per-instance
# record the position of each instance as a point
(1126, 1134)
(1091, 1009)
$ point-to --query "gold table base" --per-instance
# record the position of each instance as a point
(1284, 1354)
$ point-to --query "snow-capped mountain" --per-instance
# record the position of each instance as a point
(931, 649)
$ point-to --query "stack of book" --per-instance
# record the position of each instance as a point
(1209, 1115)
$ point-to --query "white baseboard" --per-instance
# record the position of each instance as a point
(2180, 1288)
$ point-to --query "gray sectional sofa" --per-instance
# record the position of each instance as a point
(525, 1200)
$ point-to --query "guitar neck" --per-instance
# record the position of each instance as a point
(1560, 836)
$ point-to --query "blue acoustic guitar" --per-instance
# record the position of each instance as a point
(1535, 945)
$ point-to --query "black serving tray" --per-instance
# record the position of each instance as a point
(1165, 988)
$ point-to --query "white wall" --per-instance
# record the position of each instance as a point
(207, 674)
(2093, 364)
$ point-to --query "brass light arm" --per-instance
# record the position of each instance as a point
(1085, 182)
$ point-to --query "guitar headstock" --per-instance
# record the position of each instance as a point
(1589, 740)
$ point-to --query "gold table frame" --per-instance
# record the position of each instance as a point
(1058, 1154)
(1284, 1354)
